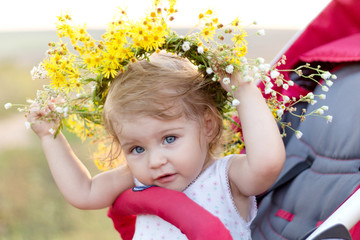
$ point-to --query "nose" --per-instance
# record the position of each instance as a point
(157, 159)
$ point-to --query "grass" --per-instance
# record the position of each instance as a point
(31, 206)
(16, 85)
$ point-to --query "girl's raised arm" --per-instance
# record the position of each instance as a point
(71, 176)
(265, 151)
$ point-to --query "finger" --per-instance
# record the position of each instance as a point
(34, 108)
(51, 107)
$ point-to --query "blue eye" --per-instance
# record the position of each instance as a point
(169, 139)
(138, 150)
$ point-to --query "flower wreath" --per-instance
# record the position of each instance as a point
(80, 77)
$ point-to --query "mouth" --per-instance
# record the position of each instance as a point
(166, 178)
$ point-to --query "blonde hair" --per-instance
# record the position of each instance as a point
(153, 88)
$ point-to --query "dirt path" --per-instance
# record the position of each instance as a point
(13, 133)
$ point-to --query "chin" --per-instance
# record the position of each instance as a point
(175, 188)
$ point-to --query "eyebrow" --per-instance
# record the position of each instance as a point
(127, 144)
(171, 129)
(163, 132)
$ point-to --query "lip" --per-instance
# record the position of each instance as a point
(166, 178)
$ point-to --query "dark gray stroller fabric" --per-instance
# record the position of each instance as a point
(292, 210)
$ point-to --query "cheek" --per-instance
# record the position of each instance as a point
(203, 143)
(136, 168)
(140, 173)
(195, 155)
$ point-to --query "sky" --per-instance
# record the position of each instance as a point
(35, 15)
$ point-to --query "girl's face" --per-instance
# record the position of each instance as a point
(169, 154)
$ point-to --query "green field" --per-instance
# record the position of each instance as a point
(31, 206)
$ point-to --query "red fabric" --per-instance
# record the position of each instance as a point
(355, 230)
(346, 49)
(333, 36)
(339, 19)
(285, 215)
(172, 206)
(319, 223)
(236, 127)
(125, 225)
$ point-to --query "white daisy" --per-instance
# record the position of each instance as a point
(229, 69)
(235, 102)
(7, 105)
(186, 46)
(200, 50)
(298, 134)
(27, 125)
(226, 80)
(329, 118)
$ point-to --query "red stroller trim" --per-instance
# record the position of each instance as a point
(174, 207)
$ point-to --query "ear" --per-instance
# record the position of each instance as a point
(210, 125)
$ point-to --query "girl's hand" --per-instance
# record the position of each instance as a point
(44, 121)
(233, 83)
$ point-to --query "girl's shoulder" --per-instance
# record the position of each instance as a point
(222, 165)
(232, 158)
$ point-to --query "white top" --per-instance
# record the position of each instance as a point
(211, 190)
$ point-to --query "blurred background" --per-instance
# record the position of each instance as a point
(31, 207)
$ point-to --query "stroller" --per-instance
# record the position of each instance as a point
(322, 169)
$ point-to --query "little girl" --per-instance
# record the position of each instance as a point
(166, 125)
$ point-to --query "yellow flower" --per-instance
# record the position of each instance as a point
(208, 32)
(97, 60)
(61, 18)
(68, 85)
(100, 156)
(235, 22)
(82, 30)
(172, 5)
(110, 59)
(64, 30)
(74, 74)
(125, 53)
(89, 61)
(274, 112)
(83, 128)
(153, 14)
(209, 12)
(149, 34)
(240, 51)
(239, 39)
(109, 72)
(58, 81)
(138, 32)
